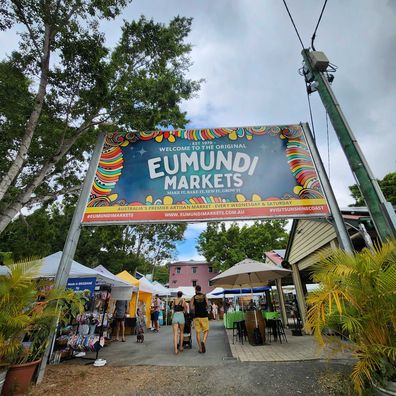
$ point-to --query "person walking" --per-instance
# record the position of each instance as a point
(120, 311)
(199, 305)
(215, 311)
(157, 309)
(178, 321)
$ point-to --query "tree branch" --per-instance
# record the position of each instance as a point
(53, 196)
(28, 27)
(17, 164)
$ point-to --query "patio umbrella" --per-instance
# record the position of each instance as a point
(249, 273)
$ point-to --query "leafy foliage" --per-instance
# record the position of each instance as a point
(224, 247)
(388, 187)
(118, 248)
(31, 308)
(357, 297)
(63, 85)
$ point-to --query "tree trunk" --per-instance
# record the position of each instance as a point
(7, 216)
(17, 165)
(26, 195)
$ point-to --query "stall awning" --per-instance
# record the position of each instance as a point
(241, 291)
(51, 263)
(161, 290)
(143, 284)
(188, 291)
(123, 292)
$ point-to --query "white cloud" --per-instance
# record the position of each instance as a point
(194, 229)
(188, 257)
(249, 54)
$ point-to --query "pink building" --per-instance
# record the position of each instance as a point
(191, 273)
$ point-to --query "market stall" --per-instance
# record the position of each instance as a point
(144, 295)
(88, 331)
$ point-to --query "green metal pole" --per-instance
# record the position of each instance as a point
(368, 185)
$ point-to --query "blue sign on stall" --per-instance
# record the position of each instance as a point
(81, 284)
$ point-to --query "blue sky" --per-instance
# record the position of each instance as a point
(186, 250)
(249, 56)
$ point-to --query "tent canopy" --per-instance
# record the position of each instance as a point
(242, 291)
(143, 284)
(127, 277)
(104, 271)
(144, 294)
(216, 293)
(117, 292)
(188, 291)
(161, 290)
(51, 263)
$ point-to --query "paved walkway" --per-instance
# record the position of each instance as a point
(157, 350)
(296, 349)
(226, 369)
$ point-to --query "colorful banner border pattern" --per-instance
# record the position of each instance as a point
(297, 153)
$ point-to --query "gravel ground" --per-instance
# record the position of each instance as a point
(228, 378)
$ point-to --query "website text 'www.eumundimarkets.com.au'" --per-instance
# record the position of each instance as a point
(204, 213)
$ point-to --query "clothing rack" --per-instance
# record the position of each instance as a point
(83, 343)
(105, 306)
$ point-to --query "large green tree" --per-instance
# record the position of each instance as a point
(387, 185)
(143, 247)
(225, 246)
(62, 83)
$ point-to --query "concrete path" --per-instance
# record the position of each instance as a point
(261, 370)
(157, 349)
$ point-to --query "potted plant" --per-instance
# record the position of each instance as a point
(29, 310)
(357, 300)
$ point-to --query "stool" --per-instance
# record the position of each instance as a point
(271, 329)
(276, 330)
(280, 330)
(239, 331)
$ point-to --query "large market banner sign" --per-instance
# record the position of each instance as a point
(205, 174)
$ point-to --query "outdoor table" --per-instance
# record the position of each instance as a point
(267, 315)
(231, 317)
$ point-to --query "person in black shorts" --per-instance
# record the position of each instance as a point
(120, 311)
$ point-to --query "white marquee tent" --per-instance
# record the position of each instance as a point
(161, 290)
(188, 291)
(146, 286)
(51, 263)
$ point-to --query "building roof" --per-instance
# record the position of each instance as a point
(276, 256)
(190, 262)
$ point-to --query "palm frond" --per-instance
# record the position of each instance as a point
(357, 296)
